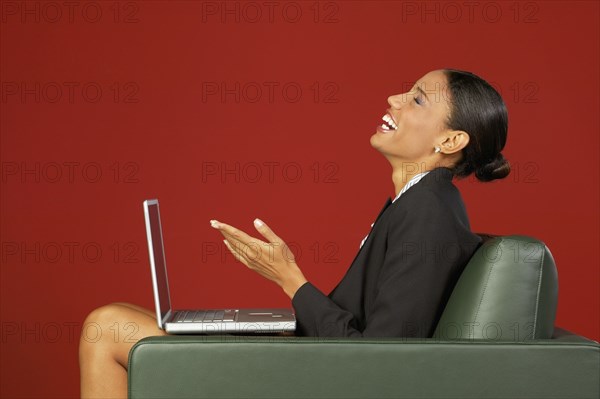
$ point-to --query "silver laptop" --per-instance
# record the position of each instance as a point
(210, 321)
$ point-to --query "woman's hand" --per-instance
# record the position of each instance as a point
(272, 259)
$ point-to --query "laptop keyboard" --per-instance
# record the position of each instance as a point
(204, 316)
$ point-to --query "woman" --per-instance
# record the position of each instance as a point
(450, 124)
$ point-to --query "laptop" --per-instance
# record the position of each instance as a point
(208, 321)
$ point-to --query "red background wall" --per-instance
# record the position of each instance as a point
(261, 111)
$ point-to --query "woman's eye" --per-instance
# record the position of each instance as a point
(417, 100)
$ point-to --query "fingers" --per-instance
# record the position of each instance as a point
(238, 240)
(253, 253)
(266, 231)
(238, 235)
(251, 249)
(234, 233)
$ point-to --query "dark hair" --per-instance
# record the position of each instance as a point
(478, 109)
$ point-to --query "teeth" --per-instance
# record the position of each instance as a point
(388, 119)
(384, 126)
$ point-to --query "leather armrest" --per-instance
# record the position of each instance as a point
(299, 367)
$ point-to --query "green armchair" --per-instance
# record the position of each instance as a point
(496, 339)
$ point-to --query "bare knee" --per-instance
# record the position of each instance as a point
(102, 324)
(111, 330)
(106, 314)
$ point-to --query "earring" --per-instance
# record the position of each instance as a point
(437, 149)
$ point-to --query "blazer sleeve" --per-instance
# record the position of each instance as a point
(418, 274)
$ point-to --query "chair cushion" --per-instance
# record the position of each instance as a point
(507, 292)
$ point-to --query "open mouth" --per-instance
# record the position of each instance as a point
(389, 124)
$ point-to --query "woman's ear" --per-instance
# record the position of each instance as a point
(455, 141)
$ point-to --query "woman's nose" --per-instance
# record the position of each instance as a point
(395, 101)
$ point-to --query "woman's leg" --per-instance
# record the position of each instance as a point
(108, 334)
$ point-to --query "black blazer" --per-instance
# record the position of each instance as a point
(402, 277)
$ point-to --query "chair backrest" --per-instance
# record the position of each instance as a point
(508, 291)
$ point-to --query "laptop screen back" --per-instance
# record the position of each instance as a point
(157, 259)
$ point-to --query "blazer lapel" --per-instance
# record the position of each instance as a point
(387, 203)
(385, 206)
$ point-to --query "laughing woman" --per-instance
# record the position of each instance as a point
(450, 124)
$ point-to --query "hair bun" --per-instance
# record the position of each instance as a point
(498, 168)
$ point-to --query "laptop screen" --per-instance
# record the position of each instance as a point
(157, 258)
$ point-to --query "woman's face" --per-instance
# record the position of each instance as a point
(415, 122)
